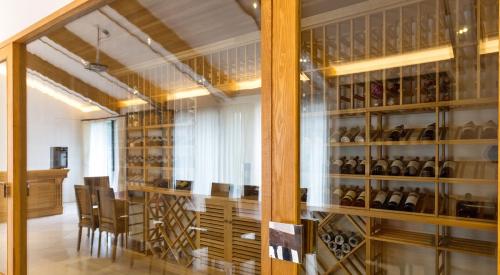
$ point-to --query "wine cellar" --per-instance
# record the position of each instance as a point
(399, 115)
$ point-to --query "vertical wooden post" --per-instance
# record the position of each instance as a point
(281, 110)
(16, 163)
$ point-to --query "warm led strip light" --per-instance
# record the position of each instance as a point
(43, 88)
(131, 102)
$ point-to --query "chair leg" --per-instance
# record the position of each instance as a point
(79, 238)
(115, 243)
(92, 242)
(99, 245)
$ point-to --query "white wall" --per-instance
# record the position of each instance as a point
(54, 123)
(16, 15)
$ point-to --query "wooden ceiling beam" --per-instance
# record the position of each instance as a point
(79, 47)
(71, 82)
(148, 23)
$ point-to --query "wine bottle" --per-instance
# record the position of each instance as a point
(448, 169)
(429, 132)
(350, 135)
(489, 130)
(412, 168)
(397, 167)
(412, 201)
(428, 169)
(360, 201)
(349, 197)
(360, 168)
(354, 240)
(466, 208)
(340, 238)
(337, 195)
(380, 199)
(397, 133)
(327, 237)
(335, 137)
(469, 131)
(346, 248)
(376, 91)
(380, 167)
(350, 166)
(360, 137)
(332, 246)
(337, 166)
(338, 253)
(395, 199)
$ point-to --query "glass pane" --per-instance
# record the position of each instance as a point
(160, 101)
(3, 167)
(399, 146)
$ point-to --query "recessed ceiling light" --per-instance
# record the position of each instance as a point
(255, 5)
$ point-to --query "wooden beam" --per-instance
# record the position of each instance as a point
(16, 158)
(57, 19)
(69, 81)
(79, 47)
(148, 23)
(285, 117)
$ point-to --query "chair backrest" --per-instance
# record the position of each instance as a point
(94, 183)
(107, 212)
(221, 189)
(84, 203)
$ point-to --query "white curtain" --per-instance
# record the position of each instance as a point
(313, 156)
(225, 142)
(98, 151)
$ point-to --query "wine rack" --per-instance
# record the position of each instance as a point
(372, 71)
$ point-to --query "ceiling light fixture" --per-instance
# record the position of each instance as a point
(97, 66)
(255, 5)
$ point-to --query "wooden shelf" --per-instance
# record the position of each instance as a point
(475, 247)
(404, 108)
(406, 216)
(404, 237)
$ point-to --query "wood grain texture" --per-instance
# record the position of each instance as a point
(266, 96)
(71, 82)
(285, 129)
(16, 162)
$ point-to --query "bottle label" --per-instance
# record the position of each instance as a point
(414, 163)
(350, 195)
(383, 164)
(362, 196)
(398, 163)
(381, 196)
(396, 197)
(338, 192)
(429, 163)
(412, 198)
(352, 162)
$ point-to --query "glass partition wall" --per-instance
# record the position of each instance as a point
(399, 122)
(144, 137)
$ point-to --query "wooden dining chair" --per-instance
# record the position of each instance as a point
(112, 218)
(94, 183)
(87, 217)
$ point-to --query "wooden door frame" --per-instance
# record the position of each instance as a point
(13, 54)
(280, 32)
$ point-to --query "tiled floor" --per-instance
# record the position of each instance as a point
(52, 250)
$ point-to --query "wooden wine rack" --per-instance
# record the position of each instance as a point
(217, 233)
(338, 50)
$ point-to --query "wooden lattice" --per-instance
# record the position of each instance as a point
(171, 237)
